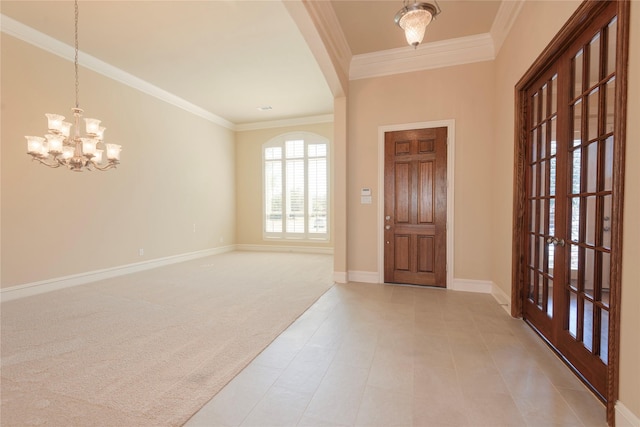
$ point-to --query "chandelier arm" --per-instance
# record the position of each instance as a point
(108, 166)
(57, 164)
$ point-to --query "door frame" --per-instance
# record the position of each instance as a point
(578, 22)
(450, 125)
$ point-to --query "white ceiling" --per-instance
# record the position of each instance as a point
(231, 57)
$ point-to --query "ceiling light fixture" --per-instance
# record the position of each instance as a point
(413, 18)
(78, 153)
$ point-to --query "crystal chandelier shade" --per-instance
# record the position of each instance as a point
(414, 18)
(60, 148)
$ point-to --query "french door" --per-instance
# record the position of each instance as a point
(567, 203)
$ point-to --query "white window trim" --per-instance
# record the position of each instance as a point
(279, 141)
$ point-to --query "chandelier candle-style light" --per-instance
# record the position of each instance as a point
(413, 18)
(78, 153)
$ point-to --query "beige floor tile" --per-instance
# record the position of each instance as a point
(547, 409)
(338, 397)
(590, 410)
(387, 355)
(493, 410)
(442, 410)
(279, 407)
(385, 408)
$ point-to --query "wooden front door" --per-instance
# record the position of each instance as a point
(570, 140)
(415, 207)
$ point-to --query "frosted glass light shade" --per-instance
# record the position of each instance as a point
(100, 133)
(93, 126)
(67, 152)
(414, 24)
(98, 157)
(66, 128)
(55, 143)
(113, 151)
(55, 122)
(89, 146)
(34, 144)
(414, 18)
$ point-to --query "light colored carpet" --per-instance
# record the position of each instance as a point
(151, 348)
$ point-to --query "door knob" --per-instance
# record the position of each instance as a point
(387, 227)
(555, 241)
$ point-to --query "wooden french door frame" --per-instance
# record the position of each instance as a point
(577, 23)
(450, 125)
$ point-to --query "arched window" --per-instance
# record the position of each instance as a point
(296, 187)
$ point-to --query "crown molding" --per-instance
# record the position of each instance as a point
(298, 121)
(36, 38)
(463, 50)
(506, 16)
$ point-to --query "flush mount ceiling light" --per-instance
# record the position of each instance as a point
(77, 153)
(413, 18)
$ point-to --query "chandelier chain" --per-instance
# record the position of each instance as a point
(76, 55)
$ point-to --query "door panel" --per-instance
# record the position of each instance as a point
(415, 207)
(570, 142)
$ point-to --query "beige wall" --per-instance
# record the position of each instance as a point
(177, 170)
(544, 19)
(249, 182)
(463, 93)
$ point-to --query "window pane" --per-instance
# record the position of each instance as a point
(273, 196)
(273, 153)
(317, 197)
(295, 195)
(317, 150)
(295, 149)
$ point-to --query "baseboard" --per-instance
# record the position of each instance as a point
(35, 288)
(503, 299)
(468, 285)
(340, 277)
(282, 248)
(624, 417)
(364, 276)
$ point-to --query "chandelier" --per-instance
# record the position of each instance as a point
(78, 153)
(414, 18)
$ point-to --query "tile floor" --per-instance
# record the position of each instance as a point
(382, 355)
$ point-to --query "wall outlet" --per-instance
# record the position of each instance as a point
(194, 227)
(141, 251)
(221, 239)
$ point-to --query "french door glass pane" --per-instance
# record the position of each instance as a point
(611, 45)
(590, 230)
(592, 167)
(606, 222)
(594, 60)
(610, 92)
(577, 73)
(576, 112)
(604, 335)
(587, 330)
(589, 268)
(592, 101)
(575, 172)
(573, 314)
(608, 164)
